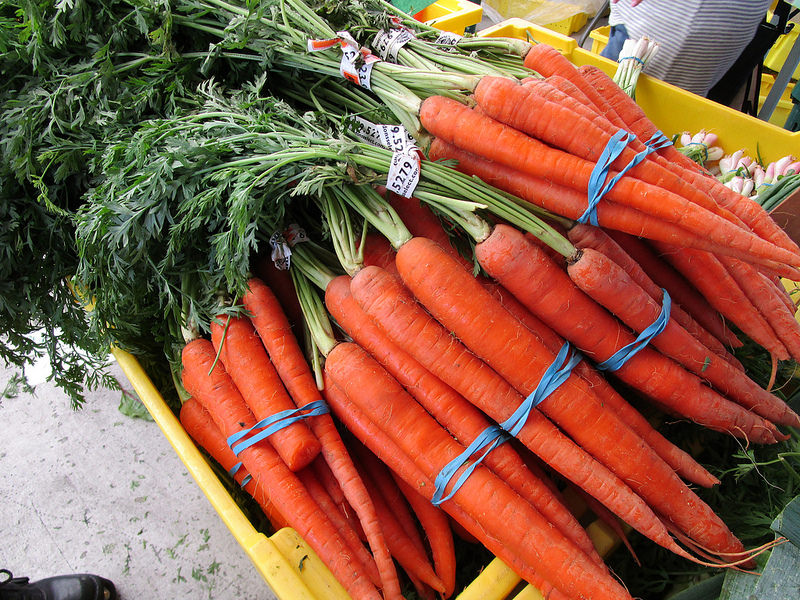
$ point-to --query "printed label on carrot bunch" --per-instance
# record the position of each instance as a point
(281, 252)
(294, 235)
(356, 64)
(388, 43)
(404, 173)
(448, 39)
(392, 137)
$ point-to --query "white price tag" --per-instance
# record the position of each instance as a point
(281, 252)
(388, 43)
(448, 39)
(392, 137)
(404, 173)
(356, 64)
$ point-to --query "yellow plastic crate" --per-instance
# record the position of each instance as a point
(570, 24)
(599, 38)
(671, 108)
(784, 106)
(451, 15)
(780, 50)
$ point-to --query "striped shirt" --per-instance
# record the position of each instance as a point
(698, 40)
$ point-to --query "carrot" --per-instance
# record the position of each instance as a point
(386, 447)
(679, 289)
(611, 286)
(412, 328)
(436, 526)
(405, 542)
(464, 307)
(710, 277)
(204, 431)
(326, 479)
(247, 363)
(750, 212)
(767, 299)
(342, 524)
(215, 390)
(282, 347)
(586, 236)
(456, 123)
(680, 461)
(547, 291)
(546, 111)
(280, 282)
(506, 518)
(421, 221)
(453, 411)
(378, 251)
(571, 203)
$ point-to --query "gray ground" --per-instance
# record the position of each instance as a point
(96, 491)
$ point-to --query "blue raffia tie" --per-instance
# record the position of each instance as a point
(624, 354)
(491, 437)
(266, 427)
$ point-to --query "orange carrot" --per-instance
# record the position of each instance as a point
(710, 277)
(378, 251)
(546, 111)
(399, 524)
(456, 123)
(412, 328)
(460, 303)
(201, 428)
(571, 203)
(282, 347)
(247, 363)
(436, 526)
(517, 264)
(633, 116)
(506, 518)
(281, 284)
(215, 390)
(683, 463)
(383, 445)
(586, 236)
(611, 286)
(679, 289)
(342, 524)
(453, 411)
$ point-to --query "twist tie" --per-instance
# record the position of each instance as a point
(624, 354)
(598, 186)
(494, 435)
(266, 427)
(634, 58)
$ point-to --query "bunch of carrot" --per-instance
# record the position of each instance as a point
(330, 489)
(542, 139)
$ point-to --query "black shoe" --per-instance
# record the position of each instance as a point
(63, 587)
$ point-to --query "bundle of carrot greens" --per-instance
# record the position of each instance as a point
(407, 286)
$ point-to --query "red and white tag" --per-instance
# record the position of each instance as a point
(404, 173)
(356, 64)
(294, 235)
(281, 252)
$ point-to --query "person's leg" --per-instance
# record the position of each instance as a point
(616, 38)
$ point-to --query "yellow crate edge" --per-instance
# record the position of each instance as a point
(458, 15)
(274, 567)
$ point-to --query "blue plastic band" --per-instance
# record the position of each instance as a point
(556, 374)
(598, 186)
(624, 354)
(489, 439)
(658, 141)
(275, 423)
(635, 58)
(235, 469)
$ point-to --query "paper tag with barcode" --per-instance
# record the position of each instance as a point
(388, 43)
(281, 252)
(448, 39)
(404, 173)
(391, 137)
